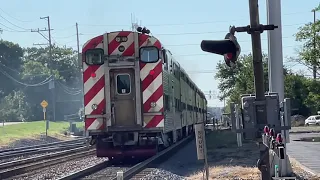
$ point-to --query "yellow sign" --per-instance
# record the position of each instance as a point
(44, 103)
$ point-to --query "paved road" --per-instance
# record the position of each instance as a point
(307, 153)
(9, 123)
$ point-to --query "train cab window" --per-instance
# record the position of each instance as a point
(123, 84)
(149, 54)
(94, 56)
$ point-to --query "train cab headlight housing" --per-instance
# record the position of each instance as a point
(94, 56)
(121, 48)
(153, 104)
(94, 106)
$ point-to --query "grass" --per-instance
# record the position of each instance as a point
(228, 161)
(32, 130)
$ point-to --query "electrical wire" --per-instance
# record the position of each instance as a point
(14, 24)
(69, 88)
(14, 17)
(11, 29)
(47, 80)
(67, 91)
(192, 23)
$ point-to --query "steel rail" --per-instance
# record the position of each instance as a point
(39, 150)
(42, 145)
(24, 168)
(134, 170)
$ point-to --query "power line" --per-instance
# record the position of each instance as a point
(11, 29)
(13, 23)
(195, 33)
(189, 23)
(14, 17)
(47, 80)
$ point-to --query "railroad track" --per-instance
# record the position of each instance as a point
(103, 169)
(16, 168)
(50, 147)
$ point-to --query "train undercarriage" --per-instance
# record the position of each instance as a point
(123, 146)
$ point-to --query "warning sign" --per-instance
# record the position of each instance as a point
(199, 132)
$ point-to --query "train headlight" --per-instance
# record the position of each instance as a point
(153, 104)
(118, 39)
(94, 106)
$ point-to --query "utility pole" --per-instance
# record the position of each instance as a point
(314, 68)
(275, 64)
(259, 86)
(80, 67)
(52, 83)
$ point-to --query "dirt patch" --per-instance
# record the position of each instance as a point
(227, 161)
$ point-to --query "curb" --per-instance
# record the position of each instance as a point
(306, 169)
(303, 132)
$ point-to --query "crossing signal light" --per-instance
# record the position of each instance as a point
(229, 48)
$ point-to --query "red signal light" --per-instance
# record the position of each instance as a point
(151, 73)
(93, 75)
(229, 55)
(266, 130)
(279, 138)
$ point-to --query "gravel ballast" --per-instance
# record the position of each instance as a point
(62, 169)
(106, 173)
(160, 174)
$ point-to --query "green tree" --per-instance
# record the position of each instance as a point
(296, 88)
(13, 107)
(309, 54)
(10, 65)
(64, 64)
(239, 80)
(37, 67)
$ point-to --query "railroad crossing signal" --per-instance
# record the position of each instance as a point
(44, 104)
(229, 48)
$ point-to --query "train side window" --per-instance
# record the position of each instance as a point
(167, 102)
(165, 59)
(123, 84)
(94, 56)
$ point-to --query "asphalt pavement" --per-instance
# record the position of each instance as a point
(306, 153)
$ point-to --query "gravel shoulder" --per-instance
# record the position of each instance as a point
(225, 159)
(62, 169)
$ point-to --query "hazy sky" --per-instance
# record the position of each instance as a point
(180, 26)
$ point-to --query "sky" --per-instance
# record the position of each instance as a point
(179, 25)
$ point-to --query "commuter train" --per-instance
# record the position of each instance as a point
(137, 98)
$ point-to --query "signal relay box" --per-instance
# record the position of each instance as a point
(249, 107)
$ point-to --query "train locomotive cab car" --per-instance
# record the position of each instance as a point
(137, 98)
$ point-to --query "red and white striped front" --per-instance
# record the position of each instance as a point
(94, 86)
(151, 86)
(114, 45)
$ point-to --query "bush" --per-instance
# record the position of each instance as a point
(13, 107)
(297, 120)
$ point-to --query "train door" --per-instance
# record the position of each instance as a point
(123, 97)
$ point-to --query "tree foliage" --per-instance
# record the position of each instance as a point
(304, 92)
(14, 107)
(25, 75)
(309, 53)
(238, 80)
